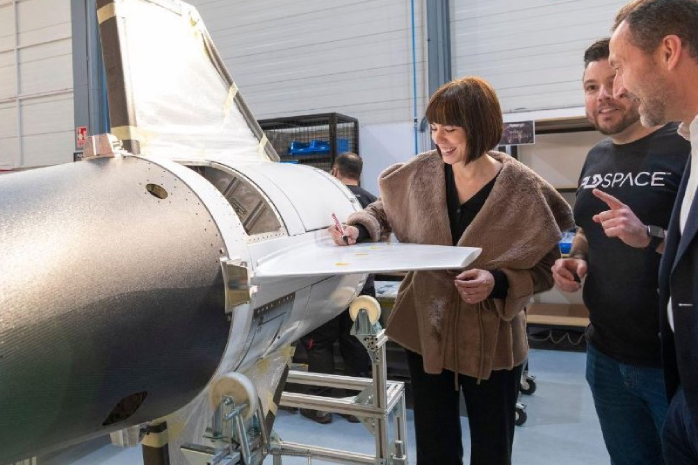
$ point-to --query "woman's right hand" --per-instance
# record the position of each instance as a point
(351, 234)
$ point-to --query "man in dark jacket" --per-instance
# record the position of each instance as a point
(654, 49)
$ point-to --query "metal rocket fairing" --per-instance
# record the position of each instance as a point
(129, 283)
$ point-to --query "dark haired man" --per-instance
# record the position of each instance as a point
(618, 255)
(320, 342)
(654, 50)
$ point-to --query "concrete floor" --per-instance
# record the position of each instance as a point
(562, 427)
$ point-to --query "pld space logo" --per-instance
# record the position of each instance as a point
(611, 180)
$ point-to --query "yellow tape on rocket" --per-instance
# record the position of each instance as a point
(230, 99)
(262, 144)
(135, 133)
(108, 11)
(287, 352)
(126, 133)
(195, 26)
(262, 366)
(271, 405)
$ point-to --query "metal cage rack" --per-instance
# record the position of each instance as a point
(313, 140)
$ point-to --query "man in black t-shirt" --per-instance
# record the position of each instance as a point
(320, 342)
(624, 201)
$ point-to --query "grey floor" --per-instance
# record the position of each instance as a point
(562, 427)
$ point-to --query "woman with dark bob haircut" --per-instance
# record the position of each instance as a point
(466, 331)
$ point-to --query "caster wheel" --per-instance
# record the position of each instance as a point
(521, 416)
(237, 386)
(528, 386)
(368, 303)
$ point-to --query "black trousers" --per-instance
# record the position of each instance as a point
(491, 414)
(680, 436)
(320, 342)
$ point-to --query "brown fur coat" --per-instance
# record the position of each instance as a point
(518, 229)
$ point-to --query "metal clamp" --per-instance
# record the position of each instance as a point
(237, 287)
(236, 442)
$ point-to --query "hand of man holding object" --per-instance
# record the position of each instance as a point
(568, 273)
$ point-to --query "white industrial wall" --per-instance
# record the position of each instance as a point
(313, 56)
(355, 57)
(317, 56)
(36, 83)
(559, 157)
(530, 51)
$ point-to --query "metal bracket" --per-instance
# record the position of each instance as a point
(235, 442)
(205, 455)
(237, 287)
(102, 146)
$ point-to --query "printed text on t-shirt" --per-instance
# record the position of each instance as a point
(641, 179)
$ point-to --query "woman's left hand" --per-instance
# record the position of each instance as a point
(475, 285)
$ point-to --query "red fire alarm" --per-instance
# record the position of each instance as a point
(80, 136)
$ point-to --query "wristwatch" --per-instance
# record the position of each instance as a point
(656, 235)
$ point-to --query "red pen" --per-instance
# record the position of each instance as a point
(339, 227)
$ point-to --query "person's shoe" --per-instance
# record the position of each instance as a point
(317, 416)
(350, 418)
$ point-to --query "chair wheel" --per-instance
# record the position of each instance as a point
(527, 386)
(521, 416)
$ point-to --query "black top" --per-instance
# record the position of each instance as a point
(365, 198)
(621, 286)
(461, 215)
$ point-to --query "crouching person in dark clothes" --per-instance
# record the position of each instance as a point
(320, 343)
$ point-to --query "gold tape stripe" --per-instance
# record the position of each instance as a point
(262, 144)
(106, 12)
(288, 352)
(230, 99)
(156, 440)
(273, 408)
(194, 18)
(262, 366)
(126, 133)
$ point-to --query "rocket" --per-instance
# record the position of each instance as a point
(180, 251)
